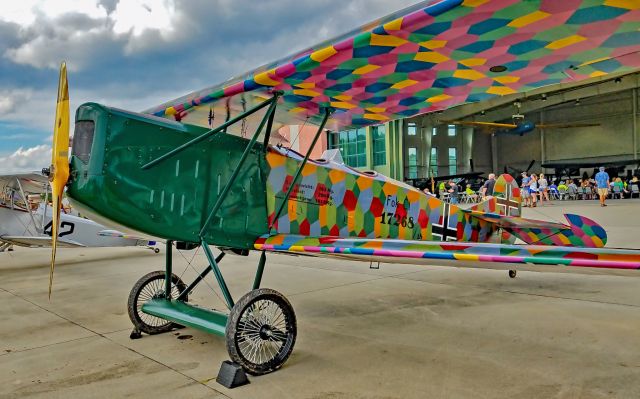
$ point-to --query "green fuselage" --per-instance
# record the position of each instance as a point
(172, 199)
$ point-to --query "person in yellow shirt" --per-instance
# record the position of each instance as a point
(470, 193)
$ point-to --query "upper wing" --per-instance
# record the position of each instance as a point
(429, 57)
(32, 183)
(430, 251)
(565, 125)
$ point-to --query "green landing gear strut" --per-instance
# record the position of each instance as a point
(260, 330)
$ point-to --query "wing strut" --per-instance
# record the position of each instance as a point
(272, 101)
(327, 113)
(27, 205)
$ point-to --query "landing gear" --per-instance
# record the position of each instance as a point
(156, 250)
(152, 286)
(513, 273)
(261, 331)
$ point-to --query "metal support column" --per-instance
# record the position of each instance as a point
(543, 152)
(635, 122)
(494, 153)
(216, 270)
(299, 171)
(169, 269)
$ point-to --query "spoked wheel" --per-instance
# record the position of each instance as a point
(513, 273)
(261, 331)
(152, 286)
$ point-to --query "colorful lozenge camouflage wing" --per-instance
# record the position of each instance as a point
(432, 56)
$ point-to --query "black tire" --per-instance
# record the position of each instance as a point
(269, 317)
(149, 286)
(513, 273)
(156, 250)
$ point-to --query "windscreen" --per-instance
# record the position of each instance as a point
(82, 140)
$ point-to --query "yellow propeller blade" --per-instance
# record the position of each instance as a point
(59, 171)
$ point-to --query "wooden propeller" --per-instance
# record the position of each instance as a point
(59, 170)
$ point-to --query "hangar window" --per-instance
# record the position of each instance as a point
(451, 130)
(379, 145)
(412, 129)
(453, 161)
(413, 163)
(434, 131)
(353, 147)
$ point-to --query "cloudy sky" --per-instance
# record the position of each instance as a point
(136, 54)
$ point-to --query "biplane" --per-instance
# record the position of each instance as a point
(26, 219)
(168, 173)
(519, 126)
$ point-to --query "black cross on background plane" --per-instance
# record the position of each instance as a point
(508, 203)
(444, 231)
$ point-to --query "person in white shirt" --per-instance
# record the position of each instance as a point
(544, 188)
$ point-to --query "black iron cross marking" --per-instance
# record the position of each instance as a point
(507, 202)
(212, 117)
(444, 231)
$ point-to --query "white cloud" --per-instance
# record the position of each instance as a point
(80, 31)
(136, 16)
(27, 160)
(25, 12)
(10, 99)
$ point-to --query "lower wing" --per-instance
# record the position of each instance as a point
(118, 234)
(492, 255)
(30, 241)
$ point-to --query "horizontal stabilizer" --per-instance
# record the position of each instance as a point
(580, 232)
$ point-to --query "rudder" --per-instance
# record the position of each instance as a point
(508, 196)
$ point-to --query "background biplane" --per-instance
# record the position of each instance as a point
(519, 126)
(167, 173)
(26, 219)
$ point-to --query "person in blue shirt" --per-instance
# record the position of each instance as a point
(603, 181)
(526, 196)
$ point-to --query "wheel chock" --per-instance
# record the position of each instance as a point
(135, 334)
(231, 375)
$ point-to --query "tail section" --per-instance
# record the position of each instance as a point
(506, 199)
(502, 212)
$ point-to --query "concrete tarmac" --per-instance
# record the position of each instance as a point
(402, 331)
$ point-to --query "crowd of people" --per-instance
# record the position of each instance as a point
(537, 189)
